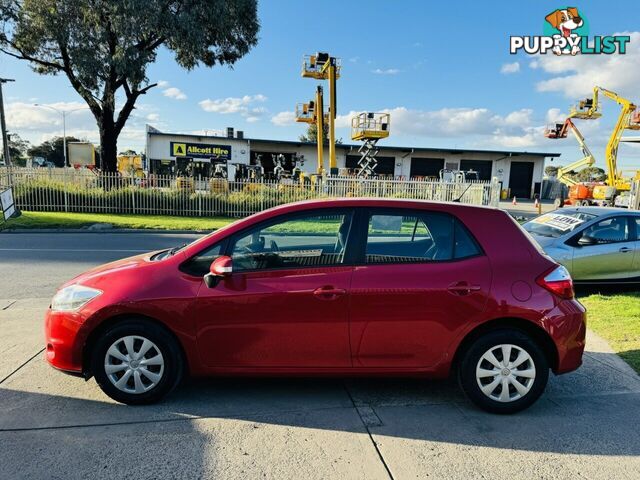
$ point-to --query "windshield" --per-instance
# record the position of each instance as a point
(557, 224)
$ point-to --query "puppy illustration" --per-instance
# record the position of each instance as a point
(565, 20)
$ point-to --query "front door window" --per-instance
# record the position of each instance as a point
(297, 242)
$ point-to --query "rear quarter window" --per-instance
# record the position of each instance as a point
(464, 245)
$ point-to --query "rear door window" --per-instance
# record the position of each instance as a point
(408, 237)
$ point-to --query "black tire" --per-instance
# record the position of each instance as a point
(172, 369)
(470, 361)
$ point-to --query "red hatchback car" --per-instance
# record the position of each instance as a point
(331, 287)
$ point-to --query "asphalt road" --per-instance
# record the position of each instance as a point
(55, 426)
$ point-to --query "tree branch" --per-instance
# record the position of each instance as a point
(23, 56)
(88, 97)
(132, 97)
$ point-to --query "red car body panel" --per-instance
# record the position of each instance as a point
(376, 319)
(294, 327)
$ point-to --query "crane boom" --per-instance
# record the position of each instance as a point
(561, 131)
(611, 152)
(589, 109)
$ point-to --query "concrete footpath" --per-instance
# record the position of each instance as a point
(55, 426)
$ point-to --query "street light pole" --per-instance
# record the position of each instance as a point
(64, 114)
(64, 137)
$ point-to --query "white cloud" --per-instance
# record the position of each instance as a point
(153, 117)
(244, 106)
(210, 131)
(519, 118)
(386, 71)
(508, 68)
(173, 92)
(477, 126)
(37, 124)
(283, 119)
(575, 76)
(555, 115)
(27, 116)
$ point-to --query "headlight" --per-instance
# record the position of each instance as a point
(73, 297)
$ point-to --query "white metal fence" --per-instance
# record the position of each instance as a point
(69, 190)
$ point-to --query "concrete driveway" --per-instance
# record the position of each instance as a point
(55, 426)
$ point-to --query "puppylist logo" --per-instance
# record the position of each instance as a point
(566, 32)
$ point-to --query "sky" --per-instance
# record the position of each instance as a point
(442, 70)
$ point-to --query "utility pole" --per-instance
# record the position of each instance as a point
(3, 127)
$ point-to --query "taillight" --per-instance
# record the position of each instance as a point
(557, 281)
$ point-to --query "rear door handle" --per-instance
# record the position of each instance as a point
(462, 288)
(625, 249)
(328, 293)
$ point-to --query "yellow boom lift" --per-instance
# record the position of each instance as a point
(323, 66)
(561, 130)
(629, 118)
(313, 113)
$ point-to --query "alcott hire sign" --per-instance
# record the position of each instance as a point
(200, 150)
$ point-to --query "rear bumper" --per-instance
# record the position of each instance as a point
(567, 326)
(64, 340)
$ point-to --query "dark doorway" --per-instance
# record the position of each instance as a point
(386, 165)
(520, 178)
(483, 167)
(426, 167)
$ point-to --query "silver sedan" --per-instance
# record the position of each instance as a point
(596, 244)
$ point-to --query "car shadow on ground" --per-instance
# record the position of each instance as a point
(586, 412)
(606, 289)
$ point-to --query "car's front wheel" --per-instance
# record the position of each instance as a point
(137, 362)
(503, 371)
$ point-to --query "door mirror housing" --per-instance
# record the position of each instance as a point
(220, 268)
(586, 240)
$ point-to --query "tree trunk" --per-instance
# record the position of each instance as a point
(108, 146)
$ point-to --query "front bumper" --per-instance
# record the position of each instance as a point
(64, 338)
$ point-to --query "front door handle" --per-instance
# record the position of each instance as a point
(462, 288)
(625, 249)
(328, 293)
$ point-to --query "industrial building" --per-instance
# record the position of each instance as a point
(171, 153)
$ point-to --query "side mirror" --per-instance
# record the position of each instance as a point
(586, 240)
(221, 267)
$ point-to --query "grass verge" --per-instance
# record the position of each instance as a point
(33, 220)
(616, 318)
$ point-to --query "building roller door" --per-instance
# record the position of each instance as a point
(520, 178)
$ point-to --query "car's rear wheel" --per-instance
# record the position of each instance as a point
(503, 371)
(137, 362)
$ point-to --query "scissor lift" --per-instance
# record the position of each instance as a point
(369, 128)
